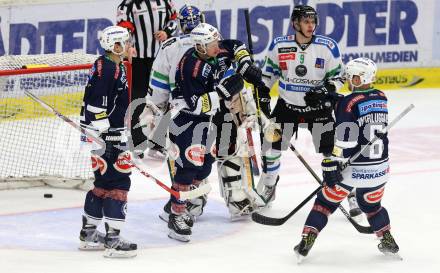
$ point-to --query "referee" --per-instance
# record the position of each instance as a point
(150, 22)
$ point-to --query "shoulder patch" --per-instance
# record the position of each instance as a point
(169, 42)
(329, 43)
(281, 39)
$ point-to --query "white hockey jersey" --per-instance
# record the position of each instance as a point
(163, 73)
(298, 69)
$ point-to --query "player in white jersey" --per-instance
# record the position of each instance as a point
(301, 62)
(162, 78)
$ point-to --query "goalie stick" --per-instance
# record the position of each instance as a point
(271, 221)
(178, 194)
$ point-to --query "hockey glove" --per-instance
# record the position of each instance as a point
(230, 86)
(264, 99)
(115, 143)
(322, 95)
(331, 172)
(250, 72)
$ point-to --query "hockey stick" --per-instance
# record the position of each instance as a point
(358, 227)
(270, 221)
(180, 195)
(255, 168)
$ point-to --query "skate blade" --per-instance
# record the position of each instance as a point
(395, 256)
(164, 217)
(299, 258)
(113, 253)
(239, 217)
(179, 237)
(90, 246)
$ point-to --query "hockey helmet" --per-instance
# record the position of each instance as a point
(189, 18)
(111, 35)
(364, 68)
(204, 34)
(303, 11)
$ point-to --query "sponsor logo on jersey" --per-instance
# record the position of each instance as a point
(206, 70)
(283, 65)
(335, 194)
(123, 163)
(352, 102)
(325, 41)
(301, 70)
(375, 196)
(98, 163)
(99, 67)
(285, 57)
(372, 106)
(206, 103)
(319, 63)
(101, 115)
(196, 68)
(291, 49)
(366, 174)
(173, 151)
(196, 154)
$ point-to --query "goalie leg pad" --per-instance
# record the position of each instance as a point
(234, 187)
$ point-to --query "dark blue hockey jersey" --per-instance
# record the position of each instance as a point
(359, 116)
(106, 96)
(196, 78)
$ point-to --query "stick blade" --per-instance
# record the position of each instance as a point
(266, 220)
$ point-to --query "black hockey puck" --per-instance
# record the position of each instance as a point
(48, 195)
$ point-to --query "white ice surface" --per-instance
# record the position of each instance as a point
(40, 235)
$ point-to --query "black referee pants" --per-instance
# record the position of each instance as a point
(141, 69)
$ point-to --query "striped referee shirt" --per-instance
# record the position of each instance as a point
(147, 17)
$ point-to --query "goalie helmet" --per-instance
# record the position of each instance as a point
(364, 68)
(204, 34)
(111, 35)
(189, 18)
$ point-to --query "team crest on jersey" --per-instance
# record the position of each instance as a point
(123, 163)
(375, 196)
(196, 154)
(335, 194)
(98, 163)
(319, 63)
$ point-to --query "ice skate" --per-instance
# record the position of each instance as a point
(90, 238)
(355, 211)
(178, 228)
(303, 248)
(164, 216)
(117, 247)
(388, 245)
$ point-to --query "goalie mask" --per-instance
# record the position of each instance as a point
(112, 35)
(189, 18)
(364, 68)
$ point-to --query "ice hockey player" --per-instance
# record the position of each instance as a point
(105, 103)
(301, 62)
(359, 117)
(162, 82)
(162, 79)
(201, 91)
